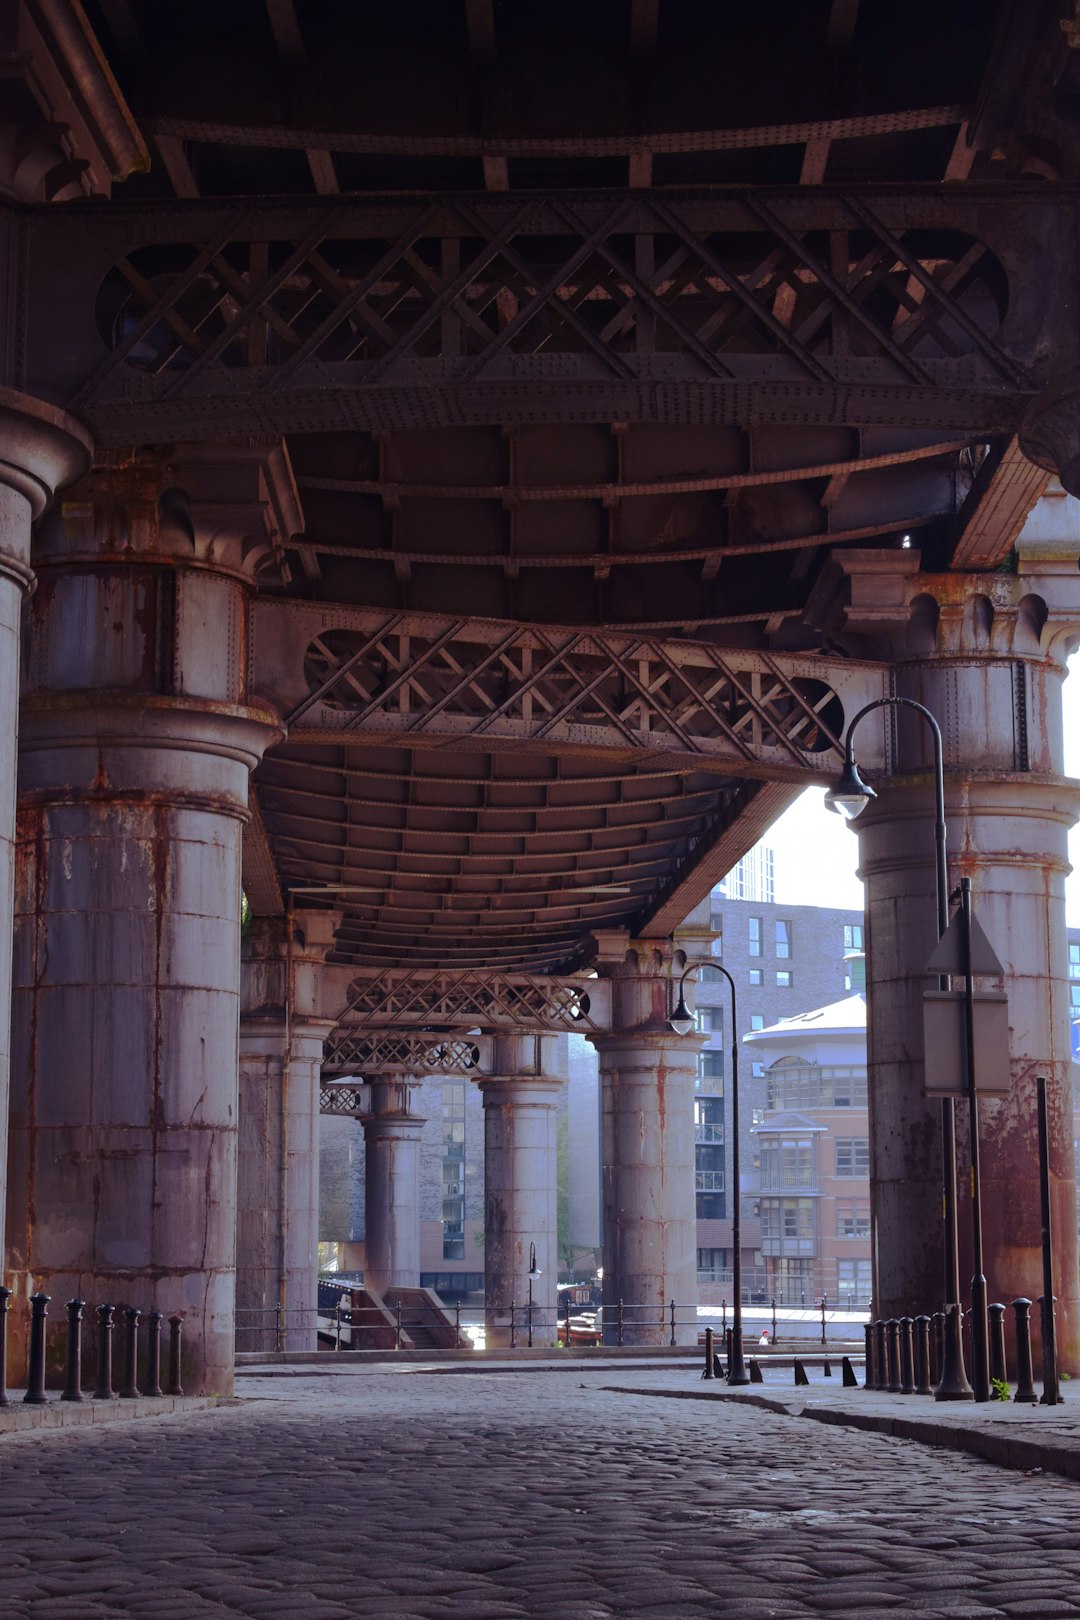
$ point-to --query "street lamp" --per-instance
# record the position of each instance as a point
(534, 1272)
(848, 797)
(682, 1022)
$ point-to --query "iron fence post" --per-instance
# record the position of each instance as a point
(869, 1370)
(513, 1326)
(397, 1325)
(176, 1329)
(35, 1378)
(907, 1357)
(824, 1300)
(1051, 1394)
(73, 1362)
(104, 1390)
(5, 1302)
(774, 1321)
(457, 1324)
(672, 1339)
(998, 1373)
(923, 1386)
(130, 1390)
(153, 1354)
(708, 1373)
(619, 1339)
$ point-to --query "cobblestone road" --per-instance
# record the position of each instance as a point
(493, 1496)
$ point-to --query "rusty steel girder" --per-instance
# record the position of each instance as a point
(903, 305)
(491, 1001)
(379, 677)
(357, 1052)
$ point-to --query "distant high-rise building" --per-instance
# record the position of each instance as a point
(752, 879)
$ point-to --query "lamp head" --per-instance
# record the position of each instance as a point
(682, 1019)
(534, 1269)
(850, 795)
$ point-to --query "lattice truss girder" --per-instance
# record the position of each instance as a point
(353, 1051)
(342, 1100)
(263, 305)
(376, 676)
(493, 1001)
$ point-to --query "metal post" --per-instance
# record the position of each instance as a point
(104, 1390)
(130, 1390)
(869, 1370)
(937, 1322)
(530, 1314)
(998, 1373)
(457, 1324)
(279, 1336)
(1051, 1394)
(907, 1356)
(881, 1355)
(1025, 1388)
(337, 1323)
(176, 1329)
(73, 1363)
(896, 1381)
(5, 1301)
(708, 1373)
(723, 1316)
(397, 1325)
(35, 1378)
(672, 1340)
(513, 1326)
(923, 1385)
(953, 1383)
(774, 1321)
(823, 1303)
(980, 1337)
(619, 1337)
(153, 1354)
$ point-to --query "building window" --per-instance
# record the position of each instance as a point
(757, 1021)
(709, 1121)
(757, 1069)
(787, 1164)
(852, 1218)
(852, 1156)
(710, 975)
(754, 925)
(1074, 996)
(709, 1020)
(788, 1226)
(784, 978)
(711, 1067)
(1074, 960)
(783, 940)
(853, 1281)
(757, 976)
(716, 927)
(853, 937)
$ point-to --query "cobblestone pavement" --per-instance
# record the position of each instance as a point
(482, 1496)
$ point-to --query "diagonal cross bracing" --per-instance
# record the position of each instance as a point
(360, 1052)
(524, 1003)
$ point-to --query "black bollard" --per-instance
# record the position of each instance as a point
(5, 1300)
(996, 1314)
(937, 1346)
(153, 1353)
(1051, 1394)
(176, 1328)
(73, 1368)
(130, 1390)
(708, 1373)
(1025, 1388)
(850, 1380)
(869, 1371)
(755, 1372)
(104, 1390)
(881, 1355)
(800, 1372)
(35, 1377)
(892, 1333)
(827, 1368)
(728, 1336)
(923, 1384)
(907, 1357)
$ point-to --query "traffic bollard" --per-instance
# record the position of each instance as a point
(998, 1372)
(892, 1333)
(130, 1388)
(73, 1361)
(176, 1329)
(104, 1390)
(5, 1301)
(1025, 1387)
(907, 1357)
(35, 1377)
(923, 1385)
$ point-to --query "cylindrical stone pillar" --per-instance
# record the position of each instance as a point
(135, 751)
(391, 1188)
(649, 1199)
(520, 1193)
(40, 449)
(1007, 832)
(277, 1203)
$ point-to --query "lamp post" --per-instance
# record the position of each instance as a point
(534, 1272)
(849, 797)
(682, 1022)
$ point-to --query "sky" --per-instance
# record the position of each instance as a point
(828, 878)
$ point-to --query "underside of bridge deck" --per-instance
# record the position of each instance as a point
(522, 437)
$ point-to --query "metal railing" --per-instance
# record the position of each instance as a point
(391, 1323)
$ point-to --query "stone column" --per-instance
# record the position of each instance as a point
(647, 1076)
(138, 739)
(40, 449)
(520, 1187)
(391, 1187)
(984, 654)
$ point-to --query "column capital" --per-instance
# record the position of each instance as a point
(643, 974)
(41, 450)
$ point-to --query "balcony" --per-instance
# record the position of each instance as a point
(713, 1132)
(788, 1181)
